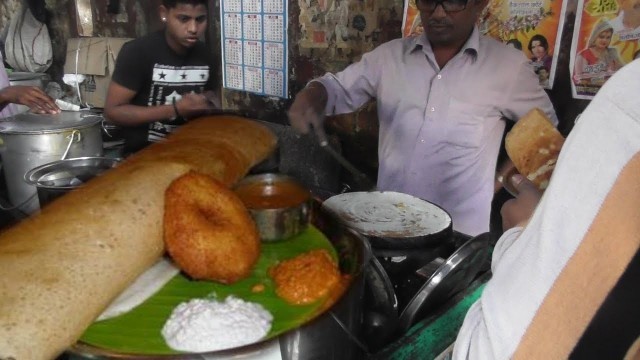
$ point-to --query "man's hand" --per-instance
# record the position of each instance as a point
(32, 96)
(307, 110)
(192, 104)
(516, 212)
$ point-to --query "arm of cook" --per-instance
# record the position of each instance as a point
(33, 97)
(331, 94)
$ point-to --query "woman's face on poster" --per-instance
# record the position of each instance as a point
(604, 39)
(537, 49)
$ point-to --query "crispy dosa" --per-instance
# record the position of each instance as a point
(533, 144)
(61, 268)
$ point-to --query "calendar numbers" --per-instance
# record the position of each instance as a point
(232, 6)
(233, 51)
(252, 6)
(274, 6)
(252, 26)
(273, 55)
(254, 46)
(234, 77)
(253, 53)
(253, 79)
(274, 82)
(274, 28)
(232, 26)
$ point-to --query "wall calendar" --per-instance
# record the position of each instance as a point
(254, 46)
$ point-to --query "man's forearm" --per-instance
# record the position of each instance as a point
(132, 115)
(4, 100)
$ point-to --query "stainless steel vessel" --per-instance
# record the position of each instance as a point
(57, 178)
(29, 140)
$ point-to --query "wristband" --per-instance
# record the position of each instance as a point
(175, 109)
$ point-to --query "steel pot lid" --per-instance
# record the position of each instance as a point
(30, 123)
(391, 220)
(23, 75)
(450, 276)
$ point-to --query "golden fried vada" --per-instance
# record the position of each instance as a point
(207, 230)
(306, 278)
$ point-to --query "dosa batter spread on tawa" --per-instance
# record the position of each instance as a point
(388, 214)
(61, 268)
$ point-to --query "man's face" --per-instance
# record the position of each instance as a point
(185, 24)
(449, 28)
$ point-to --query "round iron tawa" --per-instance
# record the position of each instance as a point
(451, 276)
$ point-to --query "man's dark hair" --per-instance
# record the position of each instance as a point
(170, 4)
(516, 43)
(543, 41)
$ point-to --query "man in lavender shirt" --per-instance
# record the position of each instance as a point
(30, 96)
(443, 98)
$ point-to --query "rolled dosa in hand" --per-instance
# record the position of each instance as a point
(533, 144)
(61, 268)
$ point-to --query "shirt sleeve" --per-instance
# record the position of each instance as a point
(351, 88)
(474, 337)
(129, 68)
(526, 94)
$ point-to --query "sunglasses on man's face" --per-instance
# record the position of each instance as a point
(447, 5)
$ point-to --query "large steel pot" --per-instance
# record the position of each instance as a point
(29, 140)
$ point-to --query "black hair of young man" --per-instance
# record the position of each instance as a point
(170, 4)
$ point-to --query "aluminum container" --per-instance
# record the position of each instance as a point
(57, 178)
(29, 140)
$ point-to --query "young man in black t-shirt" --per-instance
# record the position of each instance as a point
(163, 78)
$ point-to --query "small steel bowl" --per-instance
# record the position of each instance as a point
(279, 204)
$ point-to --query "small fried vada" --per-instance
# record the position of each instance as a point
(208, 231)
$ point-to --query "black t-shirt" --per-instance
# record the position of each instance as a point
(158, 74)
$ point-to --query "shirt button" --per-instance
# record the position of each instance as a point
(439, 76)
(421, 140)
(433, 109)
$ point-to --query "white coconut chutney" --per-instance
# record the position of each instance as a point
(201, 325)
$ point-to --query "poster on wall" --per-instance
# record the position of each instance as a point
(606, 37)
(411, 23)
(532, 26)
(254, 46)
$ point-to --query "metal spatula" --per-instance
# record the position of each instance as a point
(361, 178)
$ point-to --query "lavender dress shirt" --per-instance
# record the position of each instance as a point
(440, 129)
(9, 109)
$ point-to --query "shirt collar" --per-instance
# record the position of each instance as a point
(470, 47)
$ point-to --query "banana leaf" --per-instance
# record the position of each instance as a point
(139, 331)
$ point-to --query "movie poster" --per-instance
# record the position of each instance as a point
(605, 38)
(532, 26)
(411, 24)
